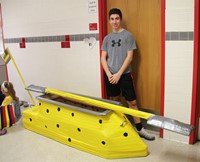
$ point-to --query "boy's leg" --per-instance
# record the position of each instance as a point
(126, 84)
(140, 129)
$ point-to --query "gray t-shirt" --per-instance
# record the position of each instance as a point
(117, 45)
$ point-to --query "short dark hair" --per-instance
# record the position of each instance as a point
(115, 11)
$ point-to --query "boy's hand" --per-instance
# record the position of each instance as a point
(114, 78)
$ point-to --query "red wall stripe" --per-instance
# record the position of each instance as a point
(196, 77)
(22, 44)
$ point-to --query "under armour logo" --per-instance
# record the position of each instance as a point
(118, 43)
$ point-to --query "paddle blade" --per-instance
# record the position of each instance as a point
(170, 124)
(6, 56)
(35, 88)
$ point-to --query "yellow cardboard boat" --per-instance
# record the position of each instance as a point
(101, 132)
(94, 125)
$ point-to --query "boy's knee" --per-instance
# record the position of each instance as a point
(132, 104)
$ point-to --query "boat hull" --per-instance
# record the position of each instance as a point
(107, 134)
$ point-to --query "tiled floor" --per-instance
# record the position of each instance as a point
(21, 145)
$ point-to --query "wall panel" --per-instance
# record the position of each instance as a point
(50, 43)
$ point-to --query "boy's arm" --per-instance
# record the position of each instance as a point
(104, 64)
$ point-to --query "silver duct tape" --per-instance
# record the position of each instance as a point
(170, 124)
(35, 88)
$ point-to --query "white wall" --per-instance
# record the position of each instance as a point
(178, 65)
(75, 69)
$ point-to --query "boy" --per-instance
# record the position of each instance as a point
(117, 53)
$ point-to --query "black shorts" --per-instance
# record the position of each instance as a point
(124, 86)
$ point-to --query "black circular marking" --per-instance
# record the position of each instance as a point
(103, 142)
(125, 134)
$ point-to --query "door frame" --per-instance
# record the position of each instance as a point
(102, 15)
(162, 93)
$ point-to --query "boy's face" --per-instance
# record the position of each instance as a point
(115, 21)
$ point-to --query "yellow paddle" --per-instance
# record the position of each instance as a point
(152, 119)
(7, 56)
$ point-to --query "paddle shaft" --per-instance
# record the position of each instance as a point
(98, 103)
(20, 75)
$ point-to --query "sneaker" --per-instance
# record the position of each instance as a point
(3, 131)
(144, 134)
